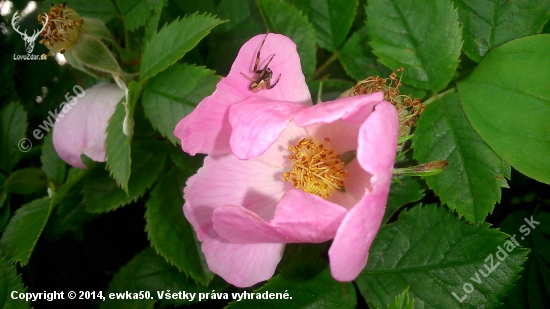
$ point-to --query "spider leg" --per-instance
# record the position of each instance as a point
(269, 87)
(267, 64)
(250, 78)
(257, 62)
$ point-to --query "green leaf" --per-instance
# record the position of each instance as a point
(283, 18)
(437, 254)
(73, 178)
(131, 277)
(471, 182)
(100, 9)
(174, 93)
(331, 20)
(153, 22)
(24, 229)
(3, 190)
(117, 145)
(52, 164)
(27, 181)
(402, 301)
(244, 22)
(170, 232)
(356, 56)
(488, 24)
(134, 93)
(13, 124)
(422, 36)
(188, 7)
(136, 12)
(117, 149)
(304, 251)
(533, 288)
(101, 194)
(11, 282)
(408, 191)
(173, 41)
(5, 212)
(184, 161)
(69, 216)
(148, 271)
(308, 284)
(236, 12)
(508, 104)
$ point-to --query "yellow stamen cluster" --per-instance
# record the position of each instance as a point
(407, 108)
(62, 28)
(316, 168)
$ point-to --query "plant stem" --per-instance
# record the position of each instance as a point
(325, 65)
(437, 96)
(126, 38)
(263, 16)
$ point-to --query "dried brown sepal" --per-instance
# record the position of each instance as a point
(408, 109)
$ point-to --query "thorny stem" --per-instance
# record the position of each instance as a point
(437, 96)
(325, 65)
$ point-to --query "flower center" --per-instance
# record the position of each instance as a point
(316, 168)
(62, 28)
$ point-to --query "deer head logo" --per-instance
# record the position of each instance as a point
(29, 40)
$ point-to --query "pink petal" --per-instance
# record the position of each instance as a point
(257, 124)
(338, 120)
(83, 128)
(378, 142)
(291, 87)
(226, 180)
(376, 155)
(350, 248)
(207, 129)
(300, 217)
(355, 185)
(304, 217)
(349, 108)
(237, 224)
(242, 265)
(343, 135)
(277, 154)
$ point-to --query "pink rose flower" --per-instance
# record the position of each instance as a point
(81, 127)
(280, 170)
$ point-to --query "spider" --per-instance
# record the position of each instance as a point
(263, 76)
